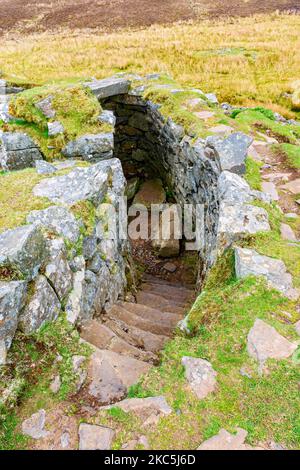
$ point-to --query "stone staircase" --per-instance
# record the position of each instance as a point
(129, 337)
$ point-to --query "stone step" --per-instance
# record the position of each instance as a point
(149, 313)
(103, 337)
(136, 336)
(156, 280)
(110, 375)
(160, 303)
(120, 313)
(168, 292)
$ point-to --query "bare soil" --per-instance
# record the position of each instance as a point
(27, 16)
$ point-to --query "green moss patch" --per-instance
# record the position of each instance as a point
(253, 176)
(290, 152)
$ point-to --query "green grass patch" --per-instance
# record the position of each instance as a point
(253, 176)
(291, 153)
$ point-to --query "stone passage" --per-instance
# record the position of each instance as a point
(131, 336)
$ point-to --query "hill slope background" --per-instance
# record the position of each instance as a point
(34, 15)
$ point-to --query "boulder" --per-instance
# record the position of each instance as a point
(264, 342)
(200, 376)
(45, 107)
(44, 168)
(42, 307)
(109, 87)
(58, 219)
(238, 221)
(250, 263)
(90, 147)
(79, 185)
(287, 233)
(59, 274)
(12, 298)
(108, 117)
(55, 128)
(151, 192)
(293, 186)
(226, 441)
(17, 151)
(270, 189)
(34, 426)
(22, 250)
(231, 153)
(111, 375)
(94, 437)
(144, 407)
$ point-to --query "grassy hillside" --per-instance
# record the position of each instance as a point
(245, 61)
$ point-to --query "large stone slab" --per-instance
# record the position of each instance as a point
(109, 87)
(238, 221)
(42, 307)
(111, 375)
(94, 437)
(58, 219)
(78, 185)
(34, 426)
(264, 342)
(23, 250)
(90, 147)
(17, 151)
(231, 153)
(226, 441)
(12, 298)
(151, 192)
(250, 263)
(142, 406)
(293, 186)
(200, 376)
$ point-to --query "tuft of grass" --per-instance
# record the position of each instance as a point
(75, 107)
(291, 153)
(252, 175)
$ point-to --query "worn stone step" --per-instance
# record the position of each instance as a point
(103, 337)
(156, 280)
(152, 314)
(136, 336)
(121, 313)
(168, 292)
(160, 303)
(111, 374)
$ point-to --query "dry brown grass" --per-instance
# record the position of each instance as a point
(245, 60)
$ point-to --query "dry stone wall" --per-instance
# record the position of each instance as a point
(53, 264)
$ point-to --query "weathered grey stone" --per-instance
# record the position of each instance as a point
(144, 406)
(270, 188)
(23, 250)
(89, 247)
(226, 441)
(44, 168)
(78, 185)
(231, 153)
(59, 274)
(45, 106)
(212, 98)
(132, 187)
(176, 129)
(104, 287)
(221, 129)
(74, 304)
(205, 114)
(59, 219)
(293, 186)
(287, 233)
(34, 426)
(109, 87)
(90, 288)
(17, 151)
(12, 297)
(139, 121)
(151, 192)
(200, 376)
(55, 384)
(94, 437)
(90, 147)
(111, 374)
(237, 221)
(108, 117)
(42, 307)
(55, 128)
(250, 263)
(80, 371)
(233, 189)
(264, 342)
